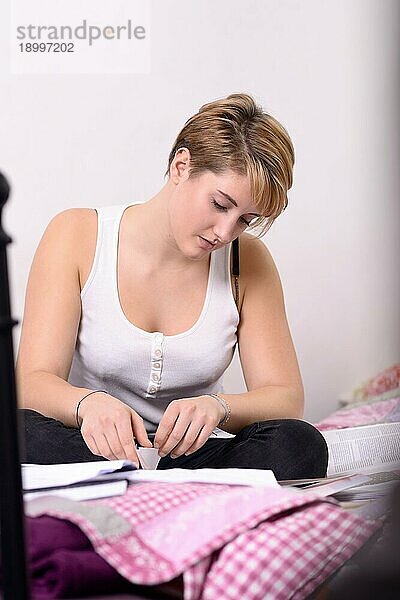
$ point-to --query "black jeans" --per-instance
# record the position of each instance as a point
(292, 448)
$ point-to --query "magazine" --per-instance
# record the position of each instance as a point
(363, 449)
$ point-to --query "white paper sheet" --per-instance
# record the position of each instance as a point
(148, 457)
(84, 492)
(36, 477)
(250, 477)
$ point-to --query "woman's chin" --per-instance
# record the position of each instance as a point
(195, 250)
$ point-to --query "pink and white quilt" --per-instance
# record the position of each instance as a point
(227, 541)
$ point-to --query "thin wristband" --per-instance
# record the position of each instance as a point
(79, 403)
(225, 406)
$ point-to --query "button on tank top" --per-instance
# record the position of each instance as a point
(147, 370)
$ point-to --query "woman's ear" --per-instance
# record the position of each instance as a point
(180, 166)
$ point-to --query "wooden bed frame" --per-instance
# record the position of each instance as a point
(15, 580)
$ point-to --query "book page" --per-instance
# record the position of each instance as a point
(364, 449)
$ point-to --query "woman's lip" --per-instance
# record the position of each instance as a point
(206, 244)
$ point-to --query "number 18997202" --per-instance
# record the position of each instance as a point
(46, 47)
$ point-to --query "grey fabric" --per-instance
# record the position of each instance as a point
(107, 523)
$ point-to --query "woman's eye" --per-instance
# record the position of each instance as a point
(218, 206)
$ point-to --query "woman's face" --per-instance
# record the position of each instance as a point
(209, 211)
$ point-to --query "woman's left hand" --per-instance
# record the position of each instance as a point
(187, 424)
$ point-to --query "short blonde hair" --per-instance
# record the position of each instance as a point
(234, 133)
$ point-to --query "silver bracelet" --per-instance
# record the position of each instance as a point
(225, 406)
(79, 403)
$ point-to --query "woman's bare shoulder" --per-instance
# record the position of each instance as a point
(74, 218)
(254, 256)
(77, 228)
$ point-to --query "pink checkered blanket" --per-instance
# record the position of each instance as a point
(229, 542)
(384, 411)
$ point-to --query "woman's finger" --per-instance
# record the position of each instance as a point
(127, 440)
(177, 433)
(104, 446)
(110, 432)
(200, 440)
(91, 444)
(166, 425)
(139, 430)
(188, 439)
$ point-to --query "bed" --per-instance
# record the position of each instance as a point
(221, 537)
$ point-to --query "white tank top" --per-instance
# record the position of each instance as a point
(149, 370)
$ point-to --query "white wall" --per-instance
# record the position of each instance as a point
(328, 70)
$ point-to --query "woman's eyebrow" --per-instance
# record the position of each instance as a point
(228, 197)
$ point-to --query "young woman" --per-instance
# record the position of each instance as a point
(132, 315)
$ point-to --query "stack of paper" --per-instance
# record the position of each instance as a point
(77, 481)
(378, 485)
(327, 486)
(84, 481)
(365, 494)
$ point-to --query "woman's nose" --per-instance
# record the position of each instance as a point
(224, 233)
(220, 237)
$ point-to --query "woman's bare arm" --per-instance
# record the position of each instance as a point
(267, 354)
(51, 320)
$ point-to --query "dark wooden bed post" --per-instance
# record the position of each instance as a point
(13, 558)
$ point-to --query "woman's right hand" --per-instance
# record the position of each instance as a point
(109, 428)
